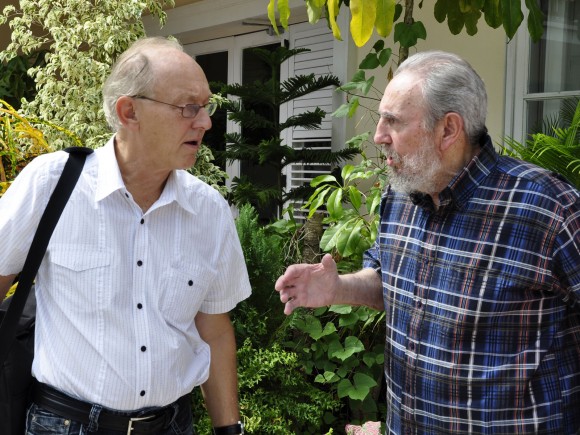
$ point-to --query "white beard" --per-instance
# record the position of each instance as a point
(418, 172)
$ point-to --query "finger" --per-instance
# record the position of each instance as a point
(285, 296)
(290, 306)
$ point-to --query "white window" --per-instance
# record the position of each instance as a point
(540, 75)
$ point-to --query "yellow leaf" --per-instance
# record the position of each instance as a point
(364, 13)
(272, 15)
(333, 13)
(284, 12)
(385, 17)
(313, 10)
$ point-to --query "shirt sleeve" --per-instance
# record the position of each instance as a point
(21, 208)
(232, 284)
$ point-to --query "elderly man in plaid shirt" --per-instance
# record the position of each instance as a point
(477, 266)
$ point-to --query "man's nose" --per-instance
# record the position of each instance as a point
(202, 120)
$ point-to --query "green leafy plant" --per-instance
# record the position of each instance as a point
(557, 148)
(276, 394)
(342, 347)
(352, 213)
(264, 261)
(81, 39)
(208, 172)
(15, 83)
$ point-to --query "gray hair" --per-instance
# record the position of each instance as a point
(132, 74)
(450, 84)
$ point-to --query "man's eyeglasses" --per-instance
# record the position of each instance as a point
(187, 111)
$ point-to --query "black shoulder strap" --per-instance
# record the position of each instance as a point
(66, 183)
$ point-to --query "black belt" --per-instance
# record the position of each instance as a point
(136, 423)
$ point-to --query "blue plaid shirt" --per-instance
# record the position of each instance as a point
(482, 301)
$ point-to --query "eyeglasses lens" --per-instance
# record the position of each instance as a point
(191, 110)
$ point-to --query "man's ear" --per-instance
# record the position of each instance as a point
(125, 108)
(452, 130)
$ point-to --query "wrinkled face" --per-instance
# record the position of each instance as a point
(412, 157)
(171, 140)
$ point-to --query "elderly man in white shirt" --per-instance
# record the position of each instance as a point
(142, 269)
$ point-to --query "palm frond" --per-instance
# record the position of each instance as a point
(307, 120)
(322, 156)
(301, 85)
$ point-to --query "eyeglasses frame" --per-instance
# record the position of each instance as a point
(210, 107)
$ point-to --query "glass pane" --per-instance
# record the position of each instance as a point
(215, 66)
(544, 115)
(555, 59)
(256, 70)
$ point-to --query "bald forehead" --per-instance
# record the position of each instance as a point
(163, 58)
(178, 75)
(402, 92)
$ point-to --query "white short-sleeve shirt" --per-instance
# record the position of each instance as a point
(118, 289)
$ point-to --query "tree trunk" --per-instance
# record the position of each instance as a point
(312, 234)
(404, 51)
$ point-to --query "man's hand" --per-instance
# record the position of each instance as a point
(319, 285)
(309, 285)
(220, 391)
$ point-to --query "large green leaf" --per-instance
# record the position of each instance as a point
(334, 204)
(351, 346)
(535, 20)
(284, 12)
(351, 240)
(361, 388)
(492, 11)
(314, 10)
(312, 326)
(355, 197)
(272, 15)
(471, 19)
(440, 10)
(331, 236)
(455, 18)
(512, 16)
(408, 34)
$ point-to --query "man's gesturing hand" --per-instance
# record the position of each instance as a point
(309, 285)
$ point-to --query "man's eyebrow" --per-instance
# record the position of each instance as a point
(388, 115)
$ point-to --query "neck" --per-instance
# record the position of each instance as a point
(140, 177)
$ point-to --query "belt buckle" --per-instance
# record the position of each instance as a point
(136, 419)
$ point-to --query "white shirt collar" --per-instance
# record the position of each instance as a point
(110, 180)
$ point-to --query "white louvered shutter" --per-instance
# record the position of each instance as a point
(319, 61)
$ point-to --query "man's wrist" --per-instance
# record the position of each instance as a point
(232, 429)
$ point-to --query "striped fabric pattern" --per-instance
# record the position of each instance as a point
(482, 303)
(118, 289)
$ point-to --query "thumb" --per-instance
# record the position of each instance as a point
(328, 262)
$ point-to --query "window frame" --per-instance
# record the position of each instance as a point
(517, 81)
